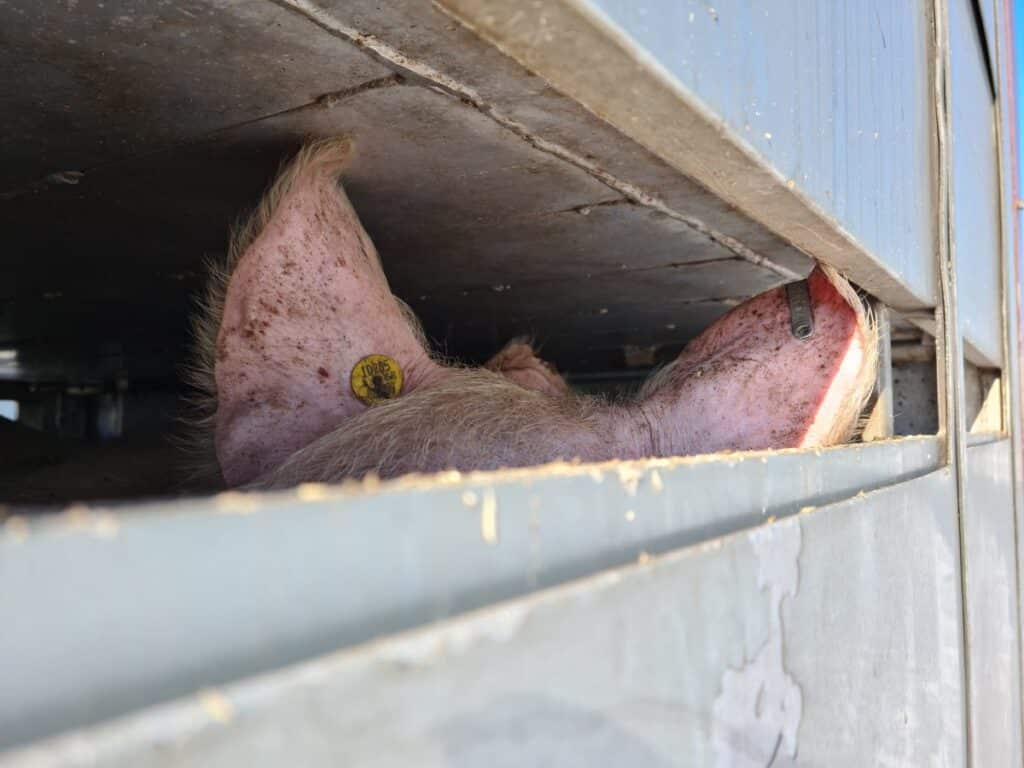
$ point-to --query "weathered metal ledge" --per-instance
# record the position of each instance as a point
(105, 613)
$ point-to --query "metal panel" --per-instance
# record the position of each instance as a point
(88, 84)
(975, 188)
(1007, 112)
(834, 96)
(990, 573)
(103, 614)
(915, 409)
(856, 83)
(831, 638)
(466, 166)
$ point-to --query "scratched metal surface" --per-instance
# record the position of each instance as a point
(830, 638)
(975, 187)
(125, 610)
(835, 96)
(990, 569)
(469, 172)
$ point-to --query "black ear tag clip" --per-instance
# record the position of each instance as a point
(801, 319)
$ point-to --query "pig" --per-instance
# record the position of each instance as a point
(310, 370)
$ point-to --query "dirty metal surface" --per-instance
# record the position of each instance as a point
(1005, 68)
(915, 398)
(832, 637)
(834, 96)
(132, 137)
(109, 610)
(990, 568)
(975, 189)
(814, 119)
(88, 84)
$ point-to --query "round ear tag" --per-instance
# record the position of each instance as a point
(376, 378)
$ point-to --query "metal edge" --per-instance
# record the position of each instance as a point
(467, 540)
(568, 44)
(1006, 107)
(948, 347)
(158, 731)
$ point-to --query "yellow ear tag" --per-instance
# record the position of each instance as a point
(376, 378)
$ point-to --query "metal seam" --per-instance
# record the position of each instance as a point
(438, 81)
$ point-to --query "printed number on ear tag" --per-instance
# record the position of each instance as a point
(376, 378)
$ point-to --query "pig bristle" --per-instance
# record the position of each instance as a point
(511, 420)
(850, 420)
(473, 419)
(197, 435)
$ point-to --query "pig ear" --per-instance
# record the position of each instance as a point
(416, 327)
(519, 362)
(197, 440)
(850, 421)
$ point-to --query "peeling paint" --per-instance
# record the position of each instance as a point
(16, 528)
(74, 514)
(236, 503)
(105, 526)
(489, 517)
(757, 715)
(216, 705)
(371, 484)
(312, 491)
(656, 483)
(629, 478)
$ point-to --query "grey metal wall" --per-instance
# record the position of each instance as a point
(129, 609)
(832, 636)
(834, 96)
(976, 206)
(990, 576)
(821, 639)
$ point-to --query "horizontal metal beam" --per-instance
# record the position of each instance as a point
(752, 115)
(829, 636)
(107, 611)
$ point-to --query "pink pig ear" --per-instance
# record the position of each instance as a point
(792, 367)
(519, 363)
(300, 309)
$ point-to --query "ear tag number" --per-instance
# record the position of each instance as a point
(376, 378)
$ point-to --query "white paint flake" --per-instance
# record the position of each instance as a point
(757, 715)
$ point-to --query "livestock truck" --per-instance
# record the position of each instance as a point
(607, 177)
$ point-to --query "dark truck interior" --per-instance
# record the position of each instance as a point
(134, 136)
